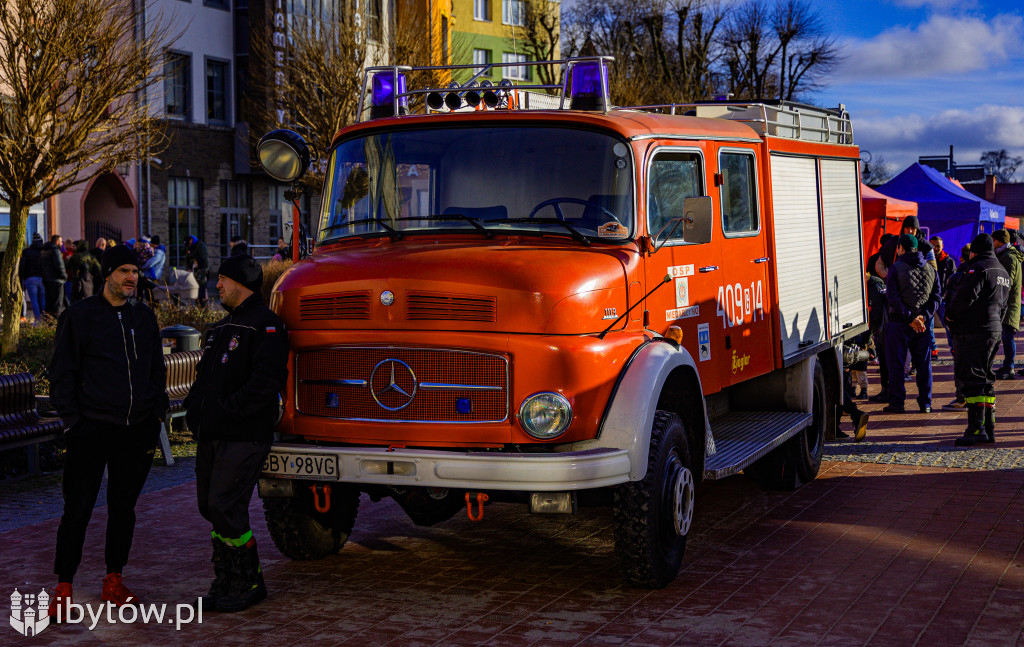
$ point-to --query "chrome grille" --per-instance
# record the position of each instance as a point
(402, 384)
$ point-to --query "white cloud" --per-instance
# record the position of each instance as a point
(942, 45)
(901, 139)
(935, 4)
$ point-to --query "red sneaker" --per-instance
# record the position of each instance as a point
(115, 591)
(59, 602)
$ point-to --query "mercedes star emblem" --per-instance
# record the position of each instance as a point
(387, 297)
(392, 384)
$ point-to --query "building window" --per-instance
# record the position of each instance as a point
(373, 11)
(177, 85)
(185, 215)
(216, 91)
(481, 9)
(236, 219)
(517, 72)
(513, 12)
(218, 4)
(482, 57)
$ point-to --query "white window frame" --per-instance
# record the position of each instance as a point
(482, 10)
(518, 72)
(482, 57)
(513, 12)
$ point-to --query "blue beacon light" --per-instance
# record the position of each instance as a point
(385, 86)
(588, 78)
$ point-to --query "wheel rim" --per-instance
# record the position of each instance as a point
(680, 496)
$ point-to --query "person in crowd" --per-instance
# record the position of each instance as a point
(878, 317)
(197, 260)
(107, 381)
(944, 267)
(231, 408)
(30, 272)
(283, 252)
(958, 403)
(82, 267)
(238, 246)
(154, 267)
(54, 274)
(1010, 259)
(975, 313)
(913, 297)
(887, 255)
(97, 253)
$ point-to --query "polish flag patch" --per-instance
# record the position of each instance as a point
(271, 328)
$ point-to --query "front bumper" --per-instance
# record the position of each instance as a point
(533, 472)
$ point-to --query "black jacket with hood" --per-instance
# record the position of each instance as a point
(238, 381)
(977, 301)
(108, 364)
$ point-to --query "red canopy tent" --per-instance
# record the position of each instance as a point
(881, 214)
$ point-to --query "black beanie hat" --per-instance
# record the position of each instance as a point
(908, 242)
(982, 243)
(116, 256)
(245, 270)
(910, 221)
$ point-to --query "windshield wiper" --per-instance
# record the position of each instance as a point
(550, 221)
(453, 216)
(393, 233)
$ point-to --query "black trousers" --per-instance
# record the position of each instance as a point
(226, 473)
(54, 297)
(975, 353)
(127, 454)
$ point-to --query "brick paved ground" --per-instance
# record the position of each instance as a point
(869, 553)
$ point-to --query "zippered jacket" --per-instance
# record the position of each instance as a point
(911, 289)
(977, 302)
(108, 364)
(243, 370)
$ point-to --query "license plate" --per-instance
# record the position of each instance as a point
(322, 467)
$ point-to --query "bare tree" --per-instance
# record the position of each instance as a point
(875, 171)
(538, 37)
(1001, 164)
(70, 71)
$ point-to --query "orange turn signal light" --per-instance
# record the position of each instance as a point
(675, 333)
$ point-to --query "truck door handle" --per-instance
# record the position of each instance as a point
(763, 259)
(708, 268)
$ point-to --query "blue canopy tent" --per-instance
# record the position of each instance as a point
(944, 208)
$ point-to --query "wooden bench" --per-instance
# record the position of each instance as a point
(21, 424)
(181, 372)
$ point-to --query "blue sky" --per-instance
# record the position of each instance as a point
(920, 75)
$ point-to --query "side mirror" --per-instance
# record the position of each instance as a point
(284, 155)
(695, 223)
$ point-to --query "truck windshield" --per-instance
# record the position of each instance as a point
(501, 179)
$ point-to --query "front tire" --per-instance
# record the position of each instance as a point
(300, 532)
(653, 516)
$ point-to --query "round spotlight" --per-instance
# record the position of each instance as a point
(453, 100)
(435, 101)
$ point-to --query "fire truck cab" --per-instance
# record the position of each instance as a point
(563, 307)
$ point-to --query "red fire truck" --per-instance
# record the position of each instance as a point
(582, 305)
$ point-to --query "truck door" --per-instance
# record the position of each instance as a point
(740, 303)
(674, 174)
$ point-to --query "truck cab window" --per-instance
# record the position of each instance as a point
(674, 176)
(739, 197)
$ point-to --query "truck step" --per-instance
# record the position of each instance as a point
(742, 437)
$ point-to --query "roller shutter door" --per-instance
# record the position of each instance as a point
(840, 210)
(798, 253)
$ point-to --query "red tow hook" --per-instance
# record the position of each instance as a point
(481, 498)
(326, 491)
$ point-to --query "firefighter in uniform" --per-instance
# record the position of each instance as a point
(975, 313)
(232, 408)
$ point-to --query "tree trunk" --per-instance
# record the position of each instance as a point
(10, 285)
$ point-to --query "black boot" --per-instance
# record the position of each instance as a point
(246, 586)
(975, 426)
(221, 575)
(990, 424)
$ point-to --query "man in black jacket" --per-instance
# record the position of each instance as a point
(913, 296)
(890, 250)
(232, 408)
(107, 381)
(878, 319)
(30, 271)
(952, 284)
(54, 274)
(975, 315)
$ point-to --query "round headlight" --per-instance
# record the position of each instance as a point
(283, 154)
(545, 415)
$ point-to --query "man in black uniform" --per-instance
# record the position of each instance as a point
(107, 381)
(913, 296)
(975, 314)
(878, 319)
(232, 408)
